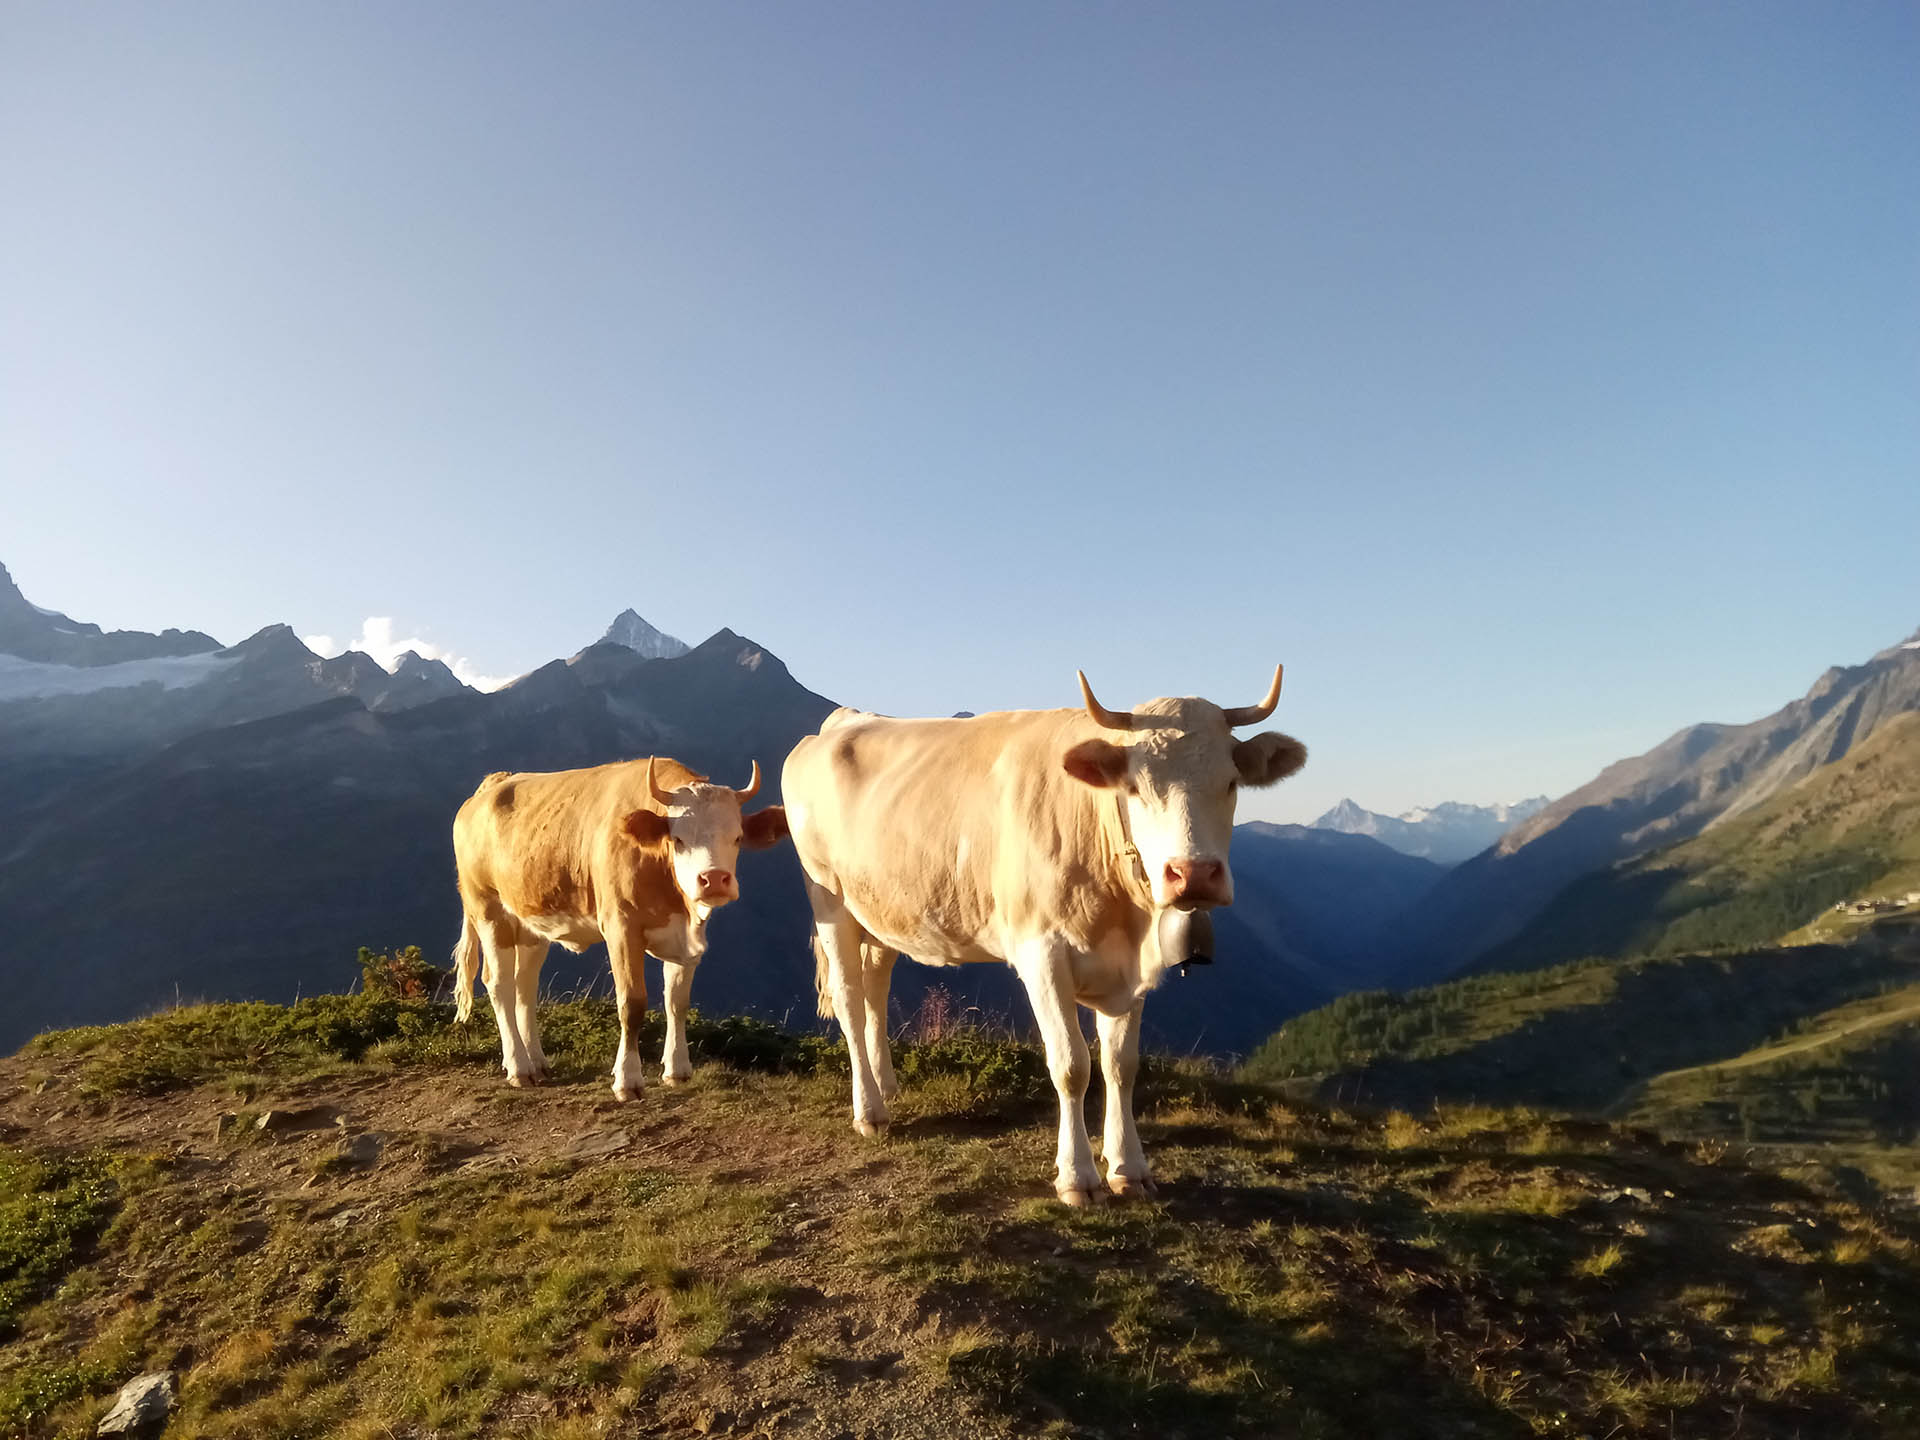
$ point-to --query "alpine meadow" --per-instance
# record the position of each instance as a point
(994, 722)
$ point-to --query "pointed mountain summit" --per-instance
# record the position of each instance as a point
(47, 636)
(630, 630)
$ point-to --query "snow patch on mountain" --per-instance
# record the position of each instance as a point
(630, 630)
(1446, 833)
(36, 680)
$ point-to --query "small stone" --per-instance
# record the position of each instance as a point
(363, 1150)
(596, 1143)
(142, 1402)
(315, 1117)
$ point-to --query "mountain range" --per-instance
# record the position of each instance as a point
(1849, 830)
(1704, 776)
(180, 818)
(1446, 833)
(183, 820)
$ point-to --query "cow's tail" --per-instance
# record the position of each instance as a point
(822, 981)
(466, 965)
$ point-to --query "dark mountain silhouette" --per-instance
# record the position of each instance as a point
(237, 829)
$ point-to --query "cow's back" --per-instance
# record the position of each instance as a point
(944, 837)
(534, 840)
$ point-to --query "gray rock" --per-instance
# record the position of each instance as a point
(363, 1150)
(143, 1402)
(595, 1143)
(314, 1117)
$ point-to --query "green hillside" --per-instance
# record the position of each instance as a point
(1582, 1036)
(1849, 830)
(1848, 1076)
(334, 1219)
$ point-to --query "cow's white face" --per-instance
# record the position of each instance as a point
(703, 833)
(1176, 775)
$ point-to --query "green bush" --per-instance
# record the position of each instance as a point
(402, 974)
(50, 1210)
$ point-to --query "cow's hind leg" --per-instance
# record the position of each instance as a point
(500, 945)
(630, 999)
(876, 980)
(676, 981)
(840, 937)
(526, 999)
(1127, 1173)
(1045, 968)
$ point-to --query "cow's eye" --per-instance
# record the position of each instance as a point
(679, 845)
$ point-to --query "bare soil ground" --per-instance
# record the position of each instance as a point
(393, 1246)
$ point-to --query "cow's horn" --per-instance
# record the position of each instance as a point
(1112, 719)
(1254, 714)
(663, 797)
(753, 785)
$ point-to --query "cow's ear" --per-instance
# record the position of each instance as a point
(648, 827)
(1098, 763)
(763, 828)
(1268, 759)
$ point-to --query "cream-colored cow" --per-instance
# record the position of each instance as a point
(1078, 845)
(637, 854)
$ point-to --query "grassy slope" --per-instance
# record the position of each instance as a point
(1850, 829)
(1848, 1075)
(1583, 1036)
(731, 1258)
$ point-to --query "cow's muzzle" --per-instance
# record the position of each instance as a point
(718, 885)
(1196, 882)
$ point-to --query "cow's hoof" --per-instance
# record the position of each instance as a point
(870, 1128)
(1079, 1199)
(541, 1074)
(1126, 1188)
(627, 1092)
(520, 1082)
(675, 1079)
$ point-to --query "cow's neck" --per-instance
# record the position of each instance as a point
(1133, 870)
(682, 938)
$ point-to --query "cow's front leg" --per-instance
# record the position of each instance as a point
(526, 1003)
(1127, 1172)
(677, 982)
(630, 999)
(1046, 969)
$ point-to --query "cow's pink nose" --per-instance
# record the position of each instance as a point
(1202, 881)
(716, 879)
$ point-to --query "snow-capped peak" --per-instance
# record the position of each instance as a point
(1446, 833)
(637, 635)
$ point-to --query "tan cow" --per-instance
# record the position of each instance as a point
(637, 854)
(1082, 846)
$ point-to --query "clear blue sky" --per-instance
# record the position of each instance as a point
(1533, 379)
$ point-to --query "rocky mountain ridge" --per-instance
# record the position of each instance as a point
(1446, 833)
(1702, 776)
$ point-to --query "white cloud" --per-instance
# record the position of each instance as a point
(376, 638)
